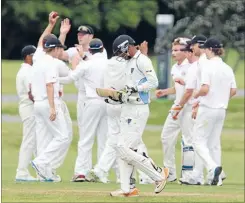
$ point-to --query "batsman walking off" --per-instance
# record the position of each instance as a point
(140, 79)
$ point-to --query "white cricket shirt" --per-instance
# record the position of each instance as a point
(115, 73)
(191, 81)
(179, 71)
(23, 79)
(45, 70)
(79, 83)
(140, 73)
(220, 78)
(92, 72)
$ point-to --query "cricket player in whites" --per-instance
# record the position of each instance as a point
(85, 34)
(50, 119)
(186, 102)
(26, 105)
(218, 85)
(140, 79)
(94, 113)
(171, 126)
(195, 43)
(63, 70)
(115, 79)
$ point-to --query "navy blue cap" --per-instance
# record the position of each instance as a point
(53, 42)
(28, 50)
(212, 43)
(95, 44)
(200, 39)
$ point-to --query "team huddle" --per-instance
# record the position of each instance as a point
(113, 105)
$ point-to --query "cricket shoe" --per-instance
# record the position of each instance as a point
(119, 193)
(223, 175)
(160, 185)
(78, 178)
(44, 172)
(215, 173)
(172, 177)
(94, 176)
(190, 181)
(25, 178)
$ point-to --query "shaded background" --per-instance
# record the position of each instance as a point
(24, 21)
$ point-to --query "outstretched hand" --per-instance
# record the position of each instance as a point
(65, 26)
(53, 17)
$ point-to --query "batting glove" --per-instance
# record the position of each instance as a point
(175, 110)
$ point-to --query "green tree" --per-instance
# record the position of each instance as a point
(23, 18)
(222, 19)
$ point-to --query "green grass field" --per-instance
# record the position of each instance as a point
(10, 69)
(66, 191)
(231, 191)
(159, 110)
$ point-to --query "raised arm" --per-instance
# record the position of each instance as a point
(53, 17)
(64, 29)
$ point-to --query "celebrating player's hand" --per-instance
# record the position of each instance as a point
(80, 50)
(52, 116)
(161, 93)
(75, 61)
(195, 107)
(143, 47)
(65, 26)
(180, 81)
(53, 17)
(175, 110)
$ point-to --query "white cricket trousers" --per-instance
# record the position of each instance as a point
(108, 158)
(94, 122)
(43, 142)
(170, 132)
(28, 146)
(57, 130)
(132, 124)
(207, 132)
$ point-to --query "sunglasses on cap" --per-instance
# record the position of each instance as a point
(181, 40)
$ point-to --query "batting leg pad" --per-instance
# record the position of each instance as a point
(188, 158)
(143, 163)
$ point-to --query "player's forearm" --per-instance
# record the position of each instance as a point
(46, 32)
(187, 95)
(171, 90)
(202, 92)
(31, 96)
(50, 94)
(232, 92)
(62, 38)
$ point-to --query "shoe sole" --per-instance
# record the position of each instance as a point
(164, 182)
(23, 180)
(217, 172)
(186, 183)
(79, 180)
